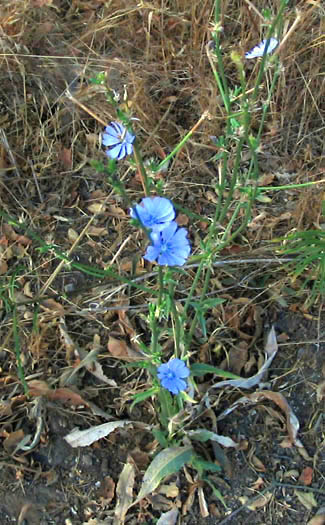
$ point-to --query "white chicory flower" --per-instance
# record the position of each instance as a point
(262, 48)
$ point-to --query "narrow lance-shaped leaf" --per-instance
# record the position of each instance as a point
(167, 462)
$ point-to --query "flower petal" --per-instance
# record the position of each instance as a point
(168, 233)
(260, 49)
(179, 367)
(155, 213)
(110, 140)
(120, 138)
(172, 374)
(129, 137)
(152, 253)
(115, 152)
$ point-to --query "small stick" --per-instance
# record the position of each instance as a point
(82, 106)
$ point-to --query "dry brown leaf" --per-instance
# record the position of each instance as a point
(116, 210)
(303, 452)
(306, 477)
(258, 484)
(53, 306)
(170, 491)
(319, 519)
(259, 466)
(5, 408)
(97, 207)
(72, 235)
(238, 358)
(9, 232)
(12, 441)
(97, 231)
(140, 457)
(257, 503)
(88, 360)
(3, 267)
(119, 349)
(189, 500)
(250, 381)
(291, 418)
(67, 396)
(124, 493)
(67, 341)
(286, 443)
(106, 491)
(3, 160)
(38, 388)
(65, 154)
(41, 3)
(182, 219)
(266, 179)
(202, 503)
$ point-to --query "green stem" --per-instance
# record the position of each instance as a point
(176, 319)
(265, 56)
(181, 143)
(196, 315)
(142, 169)
(21, 372)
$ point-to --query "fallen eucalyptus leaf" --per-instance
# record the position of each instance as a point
(259, 502)
(204, 435)
(271, 348)
(124, 493)
(168, 518)
(83, 438)
(279, 399)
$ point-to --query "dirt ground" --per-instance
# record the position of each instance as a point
(57, 314)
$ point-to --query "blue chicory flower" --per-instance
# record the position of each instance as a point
(169, 247)
(154, 212)
(172, 375)
(260, 49)
(119, 140)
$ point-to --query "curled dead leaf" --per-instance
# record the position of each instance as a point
(119, 349)
(40, 388)
(106, 491)
(124, 493)
(306, 477)
(13, 440)
(257, 503)
(53, 306)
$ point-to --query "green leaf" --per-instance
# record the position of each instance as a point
(160, 436)
(167, 462)
(143, 395)
(201, 465)
(201, 435)
(200, 369)
(216, 492)
(207, 304)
